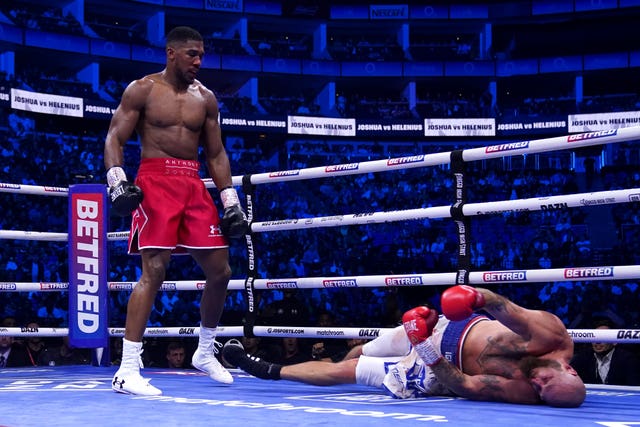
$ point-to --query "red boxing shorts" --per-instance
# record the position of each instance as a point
(177, 211)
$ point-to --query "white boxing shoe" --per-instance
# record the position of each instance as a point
(207, 363)
(130, 382)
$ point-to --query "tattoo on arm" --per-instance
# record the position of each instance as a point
(500, 305)
(449, 375)
(481, 387)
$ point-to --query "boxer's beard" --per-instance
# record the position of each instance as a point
(529, 363)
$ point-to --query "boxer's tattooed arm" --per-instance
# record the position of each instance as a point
(482, 387)
(519, 319)
(500, 357)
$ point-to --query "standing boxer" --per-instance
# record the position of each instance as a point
(521, 357)
(173, 114)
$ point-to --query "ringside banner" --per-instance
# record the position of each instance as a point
(46, 103)
(603, 121)
(460, 127)
(88, 288)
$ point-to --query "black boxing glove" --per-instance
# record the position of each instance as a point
(125, 196)
(234, 223)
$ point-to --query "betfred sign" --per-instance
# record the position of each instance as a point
(88, 288)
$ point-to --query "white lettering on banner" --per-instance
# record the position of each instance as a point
(340, 283)
(88, 279)
(592, 135)
(403, 281)
(293, 172)
(510, 126)
(282, 285)
(338, 168)
(547, 125)
(405, 160)
(406, 127)
(233, 121)
(580, 272)
(271, 123)
(504, 276)
(507, 147)
(99, 109)
(369, 126)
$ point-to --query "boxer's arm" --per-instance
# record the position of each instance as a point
(531, 325)
(483, 387)
(234, 221)
(124, 121)
(216, 156)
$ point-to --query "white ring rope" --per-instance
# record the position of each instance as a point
(566, 142)
(569, 274)
(34, 235)
(33, 189)
(469, 209)
(597, 198)
(622, 336)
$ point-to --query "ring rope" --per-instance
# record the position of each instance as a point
(568, 274)
(585, 139)
(469, 209)
(33, 189)
(33, 235)
(494, 151)
(622, 336)
(597, 198)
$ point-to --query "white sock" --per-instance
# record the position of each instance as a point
(206, 339)
(131, 355)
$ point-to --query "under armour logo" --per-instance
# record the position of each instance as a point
(118, 383)
(214, 231)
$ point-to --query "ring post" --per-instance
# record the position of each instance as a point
(88, 287)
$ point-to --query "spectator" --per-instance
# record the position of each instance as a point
(64, 354)
(253, 347)
(329, 349)
(35, 346)
(292, 352)
(290, 310)
(175, 355)
(51, 313)
(606, 363)
(12, 354)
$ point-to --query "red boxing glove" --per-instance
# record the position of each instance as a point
(419, 323)
(459, 302)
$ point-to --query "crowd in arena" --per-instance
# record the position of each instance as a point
(54, 151)
(528, 240)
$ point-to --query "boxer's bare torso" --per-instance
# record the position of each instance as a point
(171, 121)
(491, 348)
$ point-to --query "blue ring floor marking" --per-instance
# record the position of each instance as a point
(81, 395)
